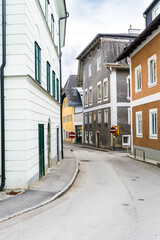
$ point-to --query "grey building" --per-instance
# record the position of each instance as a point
(106, 87)
(152, 11)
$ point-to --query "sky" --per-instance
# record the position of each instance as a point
(87, 18)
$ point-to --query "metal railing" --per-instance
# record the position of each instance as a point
(139, 150)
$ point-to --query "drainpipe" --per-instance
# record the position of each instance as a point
(60, 67)
(2, 95)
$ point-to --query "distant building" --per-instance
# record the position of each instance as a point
(145, 78)
(32, 91)
(152, 11)
(72, 110)
(106, 90)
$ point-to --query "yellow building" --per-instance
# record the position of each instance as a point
(72, 117)
(67, 117)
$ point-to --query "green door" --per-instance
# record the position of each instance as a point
(41, 151)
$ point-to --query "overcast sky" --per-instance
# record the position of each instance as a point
(90, 17)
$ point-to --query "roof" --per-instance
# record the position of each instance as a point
(96, 41)
(71, 92)
(150, 6)
(141, 38)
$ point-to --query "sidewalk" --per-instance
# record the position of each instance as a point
(58, 180)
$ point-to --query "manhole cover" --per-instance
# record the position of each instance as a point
(141, 199)
(125, 204)
(85, 160)
(133, 179)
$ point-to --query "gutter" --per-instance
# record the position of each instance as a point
(2, 95)
(60, 67)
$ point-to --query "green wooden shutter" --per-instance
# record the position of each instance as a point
(57, 90)
(53, 84)
(48, 78)
(37, 63)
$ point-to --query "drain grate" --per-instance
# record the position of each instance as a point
(125, 204)
(141, 199)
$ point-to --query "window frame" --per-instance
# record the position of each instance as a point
(90, 95)
(154, 15)
(52, 26)
(53, 84)
(152, 84)
(151, 134)
(105, 82)
(86, 99)
(37, 63)
(91, 137)
(99, 86)
(48, 70)
(86, 118)
(139, 134)
(129, 140)
(90, 118)
(98, 63)
(90, 70)
(137, 88)
(99, 117)
(106, 119)
(46, 9)
(86, 137)
(128, 80)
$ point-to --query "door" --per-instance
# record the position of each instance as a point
(97, 139)
(41, 151)
(57, 145)
(49, 144)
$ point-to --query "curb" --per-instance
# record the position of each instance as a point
(58, 194)
(149, 161)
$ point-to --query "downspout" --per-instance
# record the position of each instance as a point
(60, 67)
(2, 95)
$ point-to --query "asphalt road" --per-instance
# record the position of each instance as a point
(113, 198)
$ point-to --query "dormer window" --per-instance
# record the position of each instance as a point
(156, 11)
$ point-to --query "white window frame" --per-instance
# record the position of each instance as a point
(86, 99)
(90, 137)
(98, 64)
(129, 116)
(136, 79)
(90, 118)
(106, 119)
(90, 70)
(90, 96)
(138, 134)
(86, 137)
(129, 140)
(99, 116)
(154, 57)
(154, 11)
(105, 81)
(151, 134)
(128, 80)
(86, 118)
(99, 85)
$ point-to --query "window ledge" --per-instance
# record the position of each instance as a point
(152, 85)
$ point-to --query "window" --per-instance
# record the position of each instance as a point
(90, 95)
(86, 118)
(90, 137)
(106, 116)
(53, 84)
(90, 70)
(90, 118)
(129, 116)
(128, 87)
(153, 123)
(48, 78)
(46, 9)
(86, 137)
(99, 91)
(155, 11)
(138, 78)
(139, 124)
(99, 116)
(98, 64)
(126, 140)
(37, 63)
(86, 97)
(152, 71)
(94, 116)
(52, 26)
(105, 82)
(57, 89)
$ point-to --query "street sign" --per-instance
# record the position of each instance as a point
(112, 130)
(72, 135)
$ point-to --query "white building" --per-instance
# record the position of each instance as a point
(31, 88)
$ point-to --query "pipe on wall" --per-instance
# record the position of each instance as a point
(60, 67)
(2, 95)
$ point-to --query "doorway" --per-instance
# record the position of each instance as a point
(57, 145)
(41, 150)
(97, 139)
(49, 143)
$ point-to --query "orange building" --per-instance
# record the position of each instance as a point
(144, 55)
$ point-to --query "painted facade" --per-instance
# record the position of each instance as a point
(145, 78)
(32, 97)
(106, 92)
(72, 110)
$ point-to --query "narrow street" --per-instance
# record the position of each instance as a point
(113, 198)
